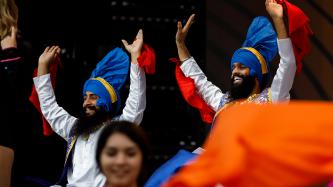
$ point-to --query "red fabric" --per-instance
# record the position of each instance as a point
(47, 130)
(188, 90)
(147, 59)
(299, 31)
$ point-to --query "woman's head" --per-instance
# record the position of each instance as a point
(8, 17)
(122, 152)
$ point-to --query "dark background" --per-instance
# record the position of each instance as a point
(86, 31)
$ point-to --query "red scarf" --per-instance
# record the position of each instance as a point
(188, 90)
(47, 130)
(147, 59)
(299, 31)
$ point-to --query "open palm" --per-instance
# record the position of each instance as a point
(182, 31)
(136, 46)
(49, 55)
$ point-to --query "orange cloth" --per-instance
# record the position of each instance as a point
(265, 146)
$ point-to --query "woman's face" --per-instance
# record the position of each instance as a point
(121, 160)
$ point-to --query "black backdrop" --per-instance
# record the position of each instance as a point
(86, 31)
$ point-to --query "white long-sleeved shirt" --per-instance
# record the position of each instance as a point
(84, 172)
(280, 87)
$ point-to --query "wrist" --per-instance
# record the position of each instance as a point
(135, 56)
(277, 19)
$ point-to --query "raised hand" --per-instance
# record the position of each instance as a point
(182, 31)
(46, 58)
(135, 48)
(10, 40)
(274, 9)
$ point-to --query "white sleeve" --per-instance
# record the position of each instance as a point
(284, 77)
(136, 101)
(210, 93)
(60, 121)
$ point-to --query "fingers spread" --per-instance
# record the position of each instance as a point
(189, 22)
(125, 43)
(46, 49)
(140, 34)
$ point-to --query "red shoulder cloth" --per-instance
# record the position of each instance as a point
(188, 90)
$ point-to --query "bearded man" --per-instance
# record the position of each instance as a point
(101, 102)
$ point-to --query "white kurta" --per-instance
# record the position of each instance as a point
(84, 172)
(280, 88)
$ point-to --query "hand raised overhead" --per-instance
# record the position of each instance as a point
(274, 9)
(182, 31)
(135, 48)
(10, 40)
(46, 58)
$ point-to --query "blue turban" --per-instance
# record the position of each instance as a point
(259, 48)
(107, 79)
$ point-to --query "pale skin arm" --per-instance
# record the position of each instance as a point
(275, 10)
(285, 74)
(10, 40)
(136, 100)
(181, 34)
(6, 162)
(46, 58)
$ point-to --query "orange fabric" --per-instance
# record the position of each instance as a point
(265, 146)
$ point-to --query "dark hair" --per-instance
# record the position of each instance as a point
(135, 133)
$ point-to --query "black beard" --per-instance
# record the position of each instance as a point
(243, 90)
(86, 124)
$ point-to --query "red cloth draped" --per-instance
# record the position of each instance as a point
(47, 130)
(188, 90)
(147, 59)
(299, 31)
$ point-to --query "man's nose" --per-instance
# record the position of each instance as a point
(87, 102)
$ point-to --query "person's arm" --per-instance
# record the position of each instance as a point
(60, 121)
(136, 101)
(6, 162)
(284, 78)
(210, 93)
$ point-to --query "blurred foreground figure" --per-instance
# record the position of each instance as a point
(270, 145)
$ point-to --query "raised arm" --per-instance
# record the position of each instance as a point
(284, 78)
(60, 121)
(208, 91)
(136, 101)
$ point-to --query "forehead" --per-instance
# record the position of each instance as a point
(120, 140)
(88, 93)
(238, 64)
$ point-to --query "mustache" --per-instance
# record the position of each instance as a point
(238, 75)
(90, 107)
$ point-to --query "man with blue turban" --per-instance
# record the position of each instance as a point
(101, 94)
(249, 64)
(249, 79)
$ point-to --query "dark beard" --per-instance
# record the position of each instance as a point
(86, 124)
(243, 90)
